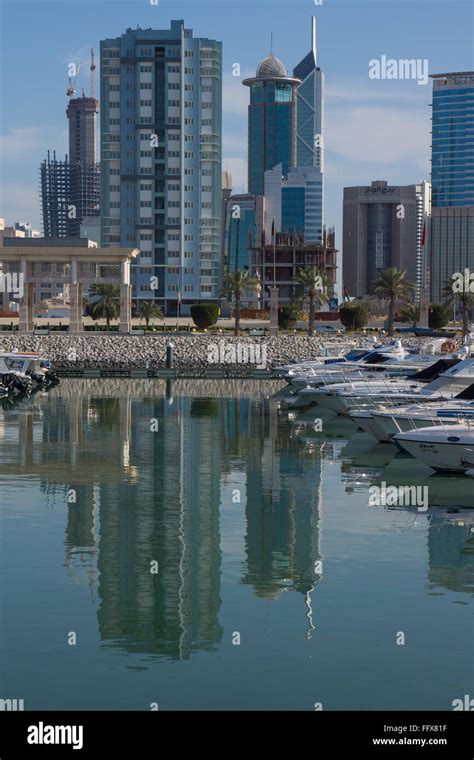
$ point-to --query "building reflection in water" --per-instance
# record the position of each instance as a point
(143, 496)
(146, 496)
(451, 554)
(282, 511)
(449, 521)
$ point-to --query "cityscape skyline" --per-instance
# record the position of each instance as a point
(392, 107)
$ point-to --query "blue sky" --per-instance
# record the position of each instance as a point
(374, 129)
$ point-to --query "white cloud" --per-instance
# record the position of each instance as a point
(378, 135)
(235, 97)
(235, 144)
(23, 143)
(374, 90)
(20, 203)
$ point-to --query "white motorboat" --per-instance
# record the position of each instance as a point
(356, 364)
(446, 378)
(31, 364)
(388, 422)
(14, 380)
(445, 449)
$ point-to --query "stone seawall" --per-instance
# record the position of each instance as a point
(191, 353)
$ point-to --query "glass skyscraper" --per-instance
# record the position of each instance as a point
(243, 225)
(452, 156)
(161, 151)
(310, 108)
(293, 203)
(452, 172)
(310, 121)
(272, 121)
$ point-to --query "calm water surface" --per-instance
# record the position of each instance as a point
(259, 529)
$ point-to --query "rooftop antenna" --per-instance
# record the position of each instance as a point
(313, 38)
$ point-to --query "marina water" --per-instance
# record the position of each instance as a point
(187, 546)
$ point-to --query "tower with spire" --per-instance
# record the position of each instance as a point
(272, 121)
(310, 108)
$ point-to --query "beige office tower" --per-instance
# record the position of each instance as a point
(385, 226)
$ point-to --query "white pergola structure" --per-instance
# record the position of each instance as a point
(77, 269)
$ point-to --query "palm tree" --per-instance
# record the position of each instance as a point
(148, 309)
(314, 281)
(103, 302)
(465, 299)
(411, 314)
(236, 283)
(393, 285)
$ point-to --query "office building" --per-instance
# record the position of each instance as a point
(384, 226)
(452, 174)
(244, 215)
(161, 135)
(271, 121)
(294, 204)
(310, 116)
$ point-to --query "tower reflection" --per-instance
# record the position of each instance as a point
(142, 479)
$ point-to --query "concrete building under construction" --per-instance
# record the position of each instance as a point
(278, 261)
(70, 189)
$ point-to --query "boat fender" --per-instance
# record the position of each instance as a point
(449, 346)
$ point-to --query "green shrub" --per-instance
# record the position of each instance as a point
(204, 314)
(287, 315)
(354, 316)
(439, 315)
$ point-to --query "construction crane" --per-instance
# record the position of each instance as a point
(93, 68)
(72, 81)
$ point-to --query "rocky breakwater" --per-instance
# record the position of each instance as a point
(191, 352)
